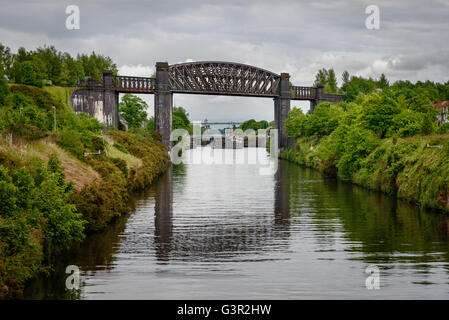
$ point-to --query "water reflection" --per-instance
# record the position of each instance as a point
(224, 231)
(206, 228)
(163, 216)
(281, 196)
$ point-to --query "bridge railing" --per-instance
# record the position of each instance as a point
(303, 93)
(134, 84)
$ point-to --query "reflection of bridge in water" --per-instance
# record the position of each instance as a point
(211, 240)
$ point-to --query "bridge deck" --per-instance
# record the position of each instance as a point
(126, 84)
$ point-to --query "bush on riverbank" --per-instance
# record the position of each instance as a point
(36, 218)
(404, 167)
(42, 210)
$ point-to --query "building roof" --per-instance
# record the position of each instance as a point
(442, 104)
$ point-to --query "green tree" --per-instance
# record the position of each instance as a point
(63, 225)
(358, 144)
(327, 79)
(4, 90)
(321, 78)
(132, 109)
(331, 82)
(5, 61)
(295, 123)
(383, 82)
(406, 123)
(94, 65)
(180, 119)
(429, 120)
(345, 77)
(357, 86)
(378, 113)
(28, 74)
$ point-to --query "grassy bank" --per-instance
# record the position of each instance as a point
(405, 167)
(54, 186)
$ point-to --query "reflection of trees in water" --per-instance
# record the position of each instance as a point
(384, 228)
(222, 238)
(94, 253)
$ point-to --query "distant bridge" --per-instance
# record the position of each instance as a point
(207, 77)
(207, 123)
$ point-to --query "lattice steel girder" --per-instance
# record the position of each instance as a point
(208, 77)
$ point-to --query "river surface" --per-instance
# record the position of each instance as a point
(224, 231)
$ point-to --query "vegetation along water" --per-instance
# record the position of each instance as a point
(64, 179)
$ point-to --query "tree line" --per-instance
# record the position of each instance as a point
(371, 112)
(354, 85)
(48, 66)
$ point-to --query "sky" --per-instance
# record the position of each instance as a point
(298, 37)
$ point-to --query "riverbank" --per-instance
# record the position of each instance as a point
(58, 186)
(413, 168)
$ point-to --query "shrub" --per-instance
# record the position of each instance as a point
(120, 147)
(102, 201)
(121, 164)
(71, 141)
(39, 97)
(4, 90)
(104, 168)
(156, 136)
(98, 143)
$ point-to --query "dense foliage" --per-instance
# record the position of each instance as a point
(181, 120)
(47, 65)
(133, 110)
(36, 217)
(327, 79)
(254, 125)
(41, 211)
(386, 138)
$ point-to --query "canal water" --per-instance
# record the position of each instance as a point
(224, 231)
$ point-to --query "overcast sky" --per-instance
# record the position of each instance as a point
(298, 37)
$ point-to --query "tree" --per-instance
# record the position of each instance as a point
(95, 64)
(4, 90)
(5, 61)
(295, 123)
(28, 74)
(356, 86)
(327, 79)
(378, 113)
(331, 82)
(345, 77)
(63, 224)
(406, 123)
(51, 62)
(132, 109)
(180, 119)
(321, 78)
(383, 82)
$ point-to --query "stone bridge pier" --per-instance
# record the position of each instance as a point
(281, 109)
(99, 100)
(163, 103)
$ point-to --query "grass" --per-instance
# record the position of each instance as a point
(61, 94)
(74, 170)
(113, 152)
